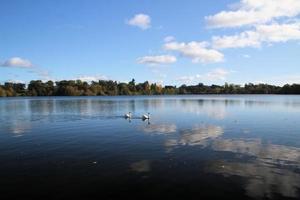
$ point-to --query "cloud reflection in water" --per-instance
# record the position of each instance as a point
(160, 128)
(263, 180)
(196, 136)
(141, 166)
(273, 170)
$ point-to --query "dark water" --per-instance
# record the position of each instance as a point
(239, 147)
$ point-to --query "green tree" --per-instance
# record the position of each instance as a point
(2, 92)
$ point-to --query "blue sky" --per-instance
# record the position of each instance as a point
(169, 42)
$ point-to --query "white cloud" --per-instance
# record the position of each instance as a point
(251, 12)
(198, 51)
(218, 74)
(169, 38)
(244, 39)
(284, 79)
(246, 56)
(87, 78)
(279, 32)
(157, 82)
(17, 62)
(156, 60)
(140, 20)
(271, 33)
(15, 81)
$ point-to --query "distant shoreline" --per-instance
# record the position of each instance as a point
(157, 95)
(114, 88)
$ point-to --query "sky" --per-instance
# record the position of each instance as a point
(170, 42)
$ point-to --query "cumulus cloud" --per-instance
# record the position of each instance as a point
(214, 75)
(251, 12)
(17, 62)
(88, 78)
(279, 32)
(169, 38)
(15, 81)
(271, 33)
(282, 79)
(217, 74)
(142, 21)
(198, 51)
(244, 39)
(156, 60)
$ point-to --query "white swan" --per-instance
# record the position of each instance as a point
(146, 116)
(128, 115)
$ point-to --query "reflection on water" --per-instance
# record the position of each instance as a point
(263, 179)
(141, 166)
(18, 127)
(160, 128)
(198, 135)
(213, 108)
(273, 167)
(248, 145)
(270, 153)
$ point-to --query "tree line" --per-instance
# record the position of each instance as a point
(112, 88)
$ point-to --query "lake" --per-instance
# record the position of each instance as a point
(235, 146)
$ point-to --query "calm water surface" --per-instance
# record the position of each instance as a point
(245, 147)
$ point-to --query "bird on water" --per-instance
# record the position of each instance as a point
(127, 115)
(146, 116)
